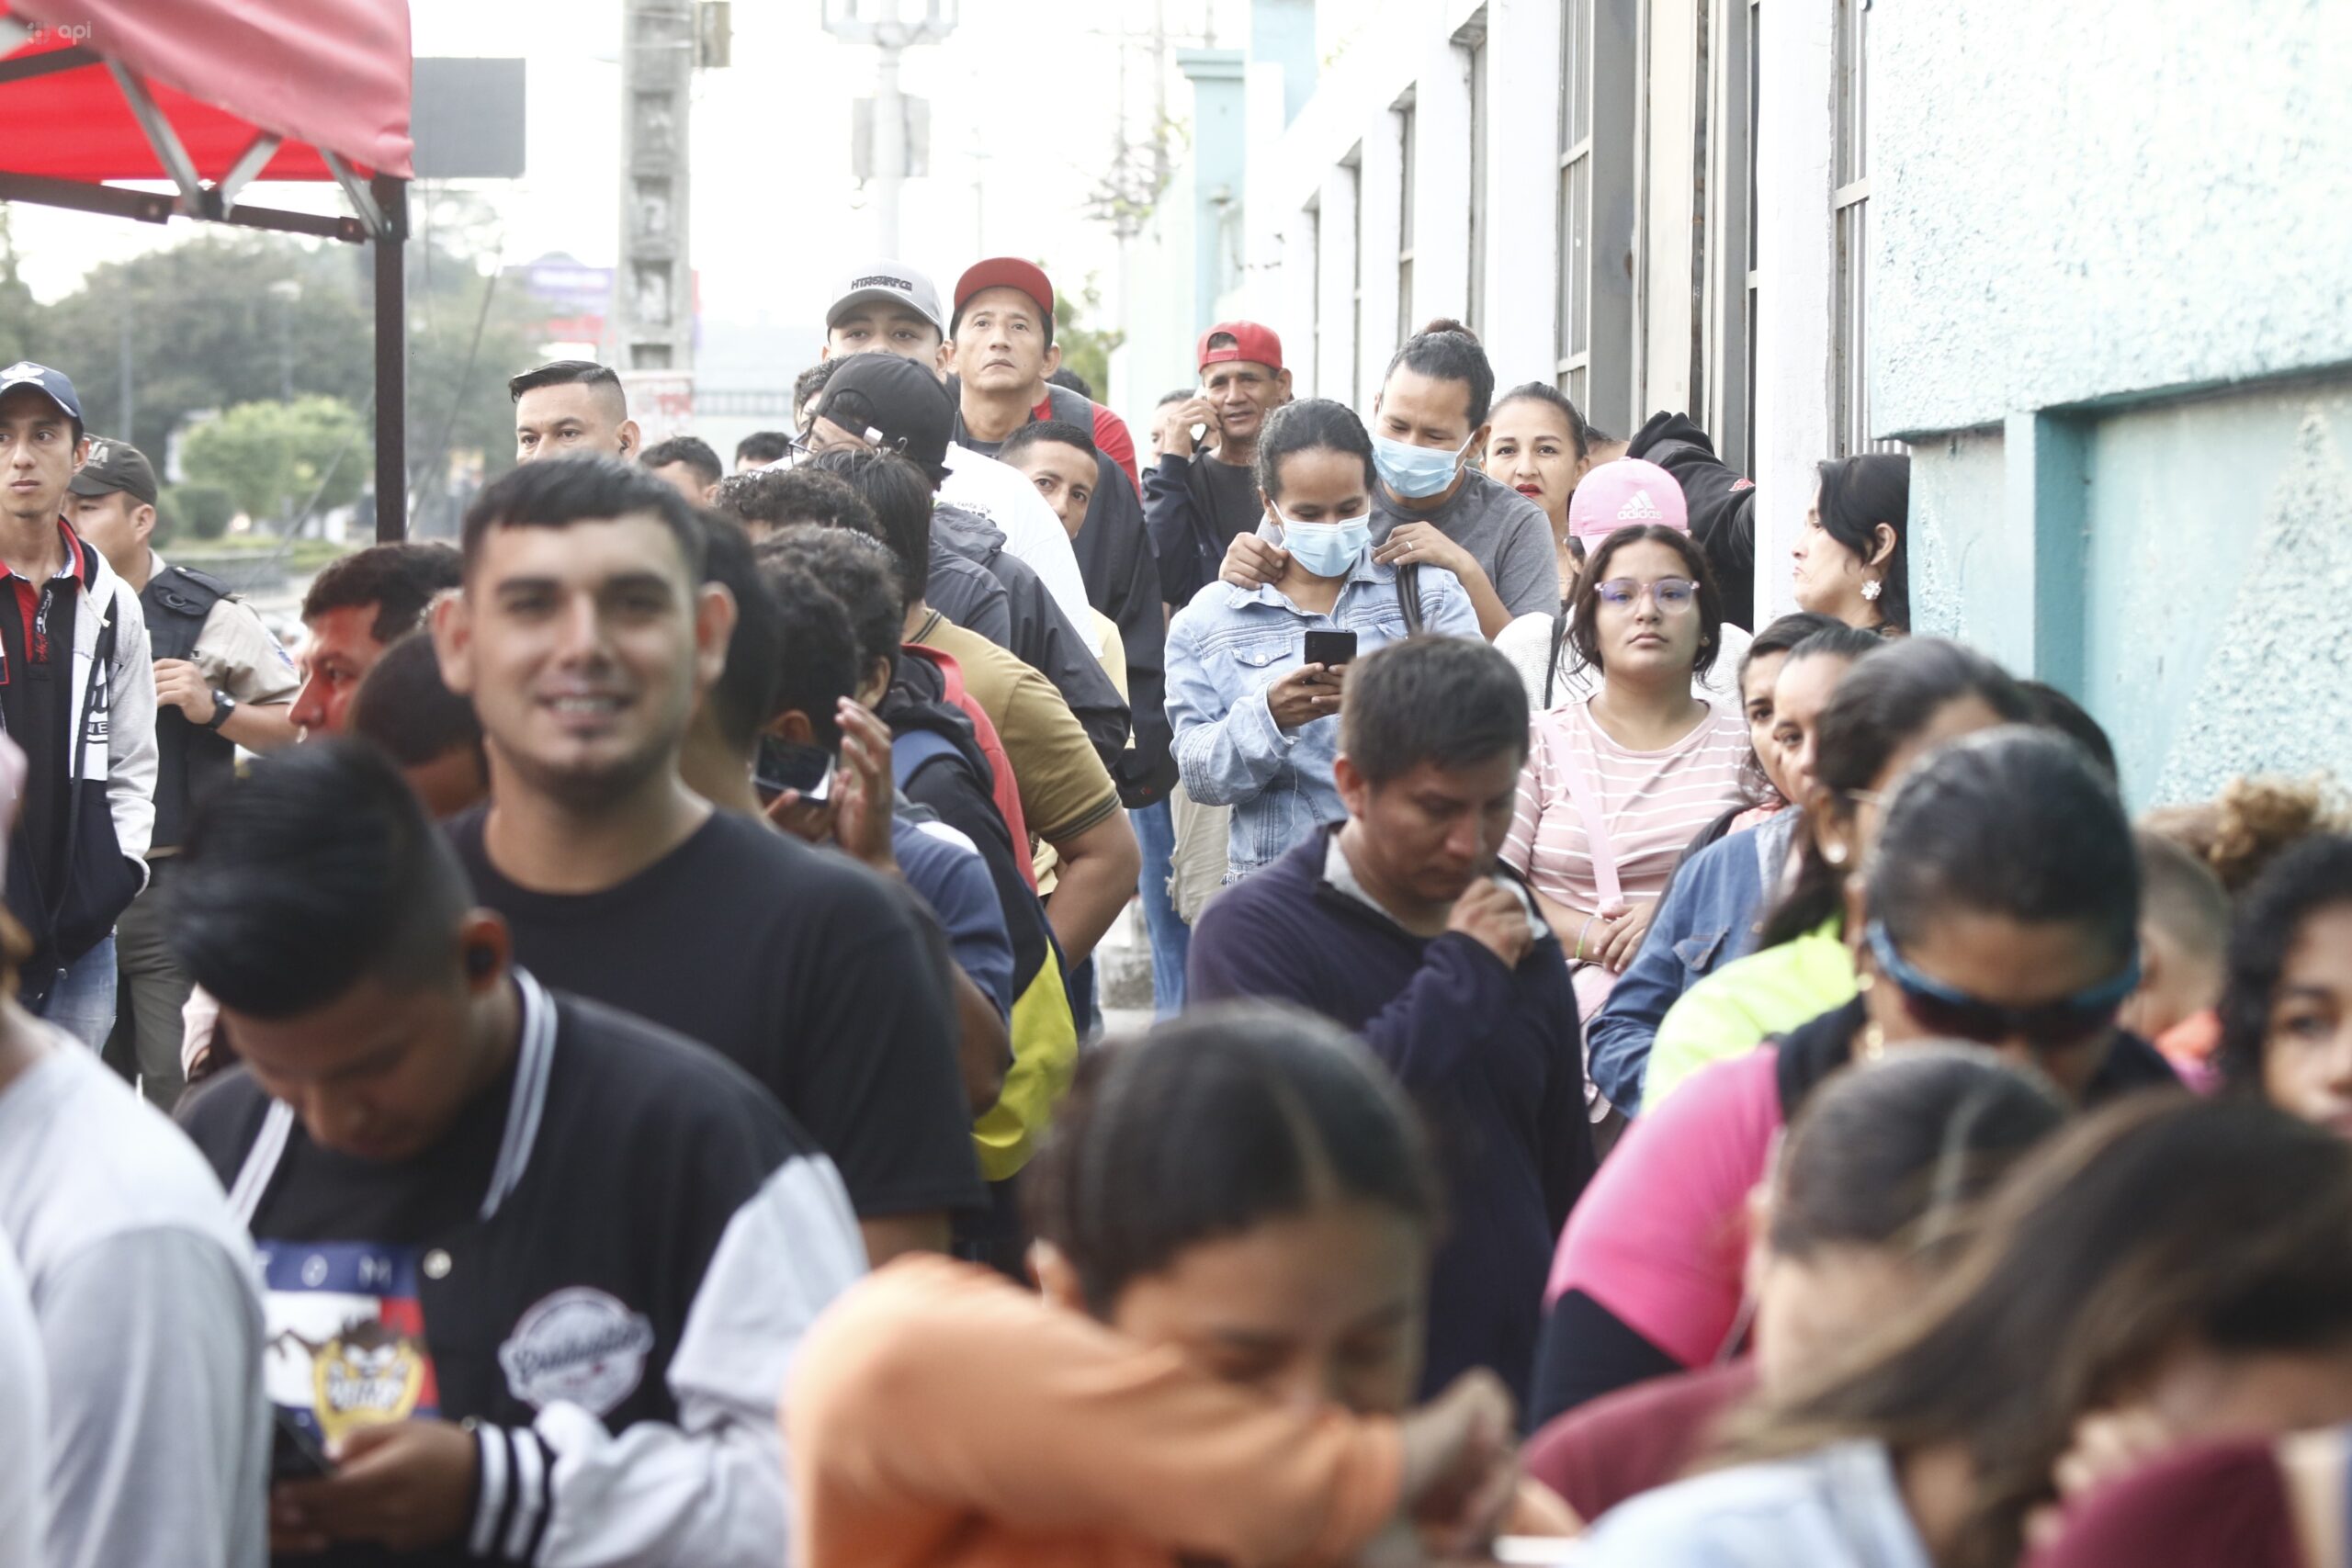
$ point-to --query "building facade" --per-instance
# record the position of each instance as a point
(2085, 263)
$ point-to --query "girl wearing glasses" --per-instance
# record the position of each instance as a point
(1998, 904)
(1619, 780)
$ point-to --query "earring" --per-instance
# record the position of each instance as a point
(1871, 589)
(1834, 853)
(1872, 1043)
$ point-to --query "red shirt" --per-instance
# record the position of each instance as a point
(1109, 435)
(2219, 1506)
(1635, 1439)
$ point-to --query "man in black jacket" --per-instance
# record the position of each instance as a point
(1002, 338)
(1722, 504)
(535, 1270)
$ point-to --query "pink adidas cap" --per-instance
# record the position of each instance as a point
(1626, 494)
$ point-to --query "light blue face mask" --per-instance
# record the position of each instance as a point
(1327, 549)
(1415, 473)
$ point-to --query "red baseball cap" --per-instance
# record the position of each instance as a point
(1008, 272)
(1256, 343)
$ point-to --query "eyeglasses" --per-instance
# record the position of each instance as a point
(1667, 593)
(2048, 1026)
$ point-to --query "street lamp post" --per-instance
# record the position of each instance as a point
(882, 148)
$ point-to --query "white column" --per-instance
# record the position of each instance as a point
(1383, 189)
(1670, 189)
(1291, 299)
(1334, 265)
(1521, 287)
(1795, 279)
(1441, 186)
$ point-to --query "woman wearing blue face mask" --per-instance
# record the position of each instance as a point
(1429, 508)
(1257, 725)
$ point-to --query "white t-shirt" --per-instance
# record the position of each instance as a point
(1004, 495)
(24, 1418)
(150, 1324)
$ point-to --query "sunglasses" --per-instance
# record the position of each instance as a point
(1946, 1011)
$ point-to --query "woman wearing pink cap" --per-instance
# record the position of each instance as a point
(1609, 496)
(1619, 780)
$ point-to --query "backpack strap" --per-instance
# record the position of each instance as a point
(912, 749)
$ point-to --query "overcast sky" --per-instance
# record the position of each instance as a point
(1031, 83)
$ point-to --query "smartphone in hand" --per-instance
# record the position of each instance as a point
(1329, 648)
(294, 1454)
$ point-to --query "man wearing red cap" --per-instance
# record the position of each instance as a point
(1195, 501)
(1001, 341)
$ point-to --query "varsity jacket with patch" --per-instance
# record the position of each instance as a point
(631, 1241)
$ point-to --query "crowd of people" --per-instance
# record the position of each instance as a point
(624, 1079)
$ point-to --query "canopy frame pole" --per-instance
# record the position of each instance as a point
(389, 205)
(250, 164)
(164, 140)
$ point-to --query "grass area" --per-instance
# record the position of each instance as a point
(301, 555)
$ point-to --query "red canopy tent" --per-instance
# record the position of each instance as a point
(212, 95)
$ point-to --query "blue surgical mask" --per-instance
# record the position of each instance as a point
(1415, 473)
(1327, 549)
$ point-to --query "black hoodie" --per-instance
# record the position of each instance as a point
(1722, 504)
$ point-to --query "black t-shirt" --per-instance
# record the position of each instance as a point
(798, 965)
(37, 710)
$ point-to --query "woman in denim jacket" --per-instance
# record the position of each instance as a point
(1256, 726)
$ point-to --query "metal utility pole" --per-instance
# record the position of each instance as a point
(653, 286)
(890, 133)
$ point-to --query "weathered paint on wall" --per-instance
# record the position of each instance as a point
(2079, 201)
(2111, 308)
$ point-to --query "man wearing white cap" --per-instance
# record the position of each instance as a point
(888, 306)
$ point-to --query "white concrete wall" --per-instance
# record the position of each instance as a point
(1795, 268)
(1335, 261)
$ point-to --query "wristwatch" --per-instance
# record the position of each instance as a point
(223, 705)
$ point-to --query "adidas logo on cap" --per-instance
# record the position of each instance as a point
(1637, 506)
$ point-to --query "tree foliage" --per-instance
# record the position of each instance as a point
(229, 317)
(274, 458)
(1086, 350)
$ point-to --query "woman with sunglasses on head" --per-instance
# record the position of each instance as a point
(1997, 903)
(1617, 782)
(1853, 561)
(1870, 1195)
(1710, 915)
(1883, 710)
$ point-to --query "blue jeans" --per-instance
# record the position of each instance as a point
(1171, 939)
(82, 1002)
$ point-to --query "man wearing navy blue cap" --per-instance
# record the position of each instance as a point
(77, 693)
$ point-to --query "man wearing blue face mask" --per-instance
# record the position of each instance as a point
(1430, 509)
(1256, 722)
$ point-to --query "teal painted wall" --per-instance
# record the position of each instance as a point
(2111, 310)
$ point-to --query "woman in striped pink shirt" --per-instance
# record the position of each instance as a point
(1618, 782)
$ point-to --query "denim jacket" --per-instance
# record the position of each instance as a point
(1227, 648)
(1708, 917)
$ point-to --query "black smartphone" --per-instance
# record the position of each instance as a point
(784, 765)
(294, 1454)
(1328, 648)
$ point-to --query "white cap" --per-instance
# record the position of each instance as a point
(888, 280)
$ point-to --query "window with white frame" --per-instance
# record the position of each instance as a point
(1850, 212)
(1471, 41)
(1725, 386)
(1313, 261)
(1405, 118)
(1598, 60)
(1353, 164)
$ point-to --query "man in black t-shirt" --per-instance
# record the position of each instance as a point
(535, 1271)
(585, 635)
